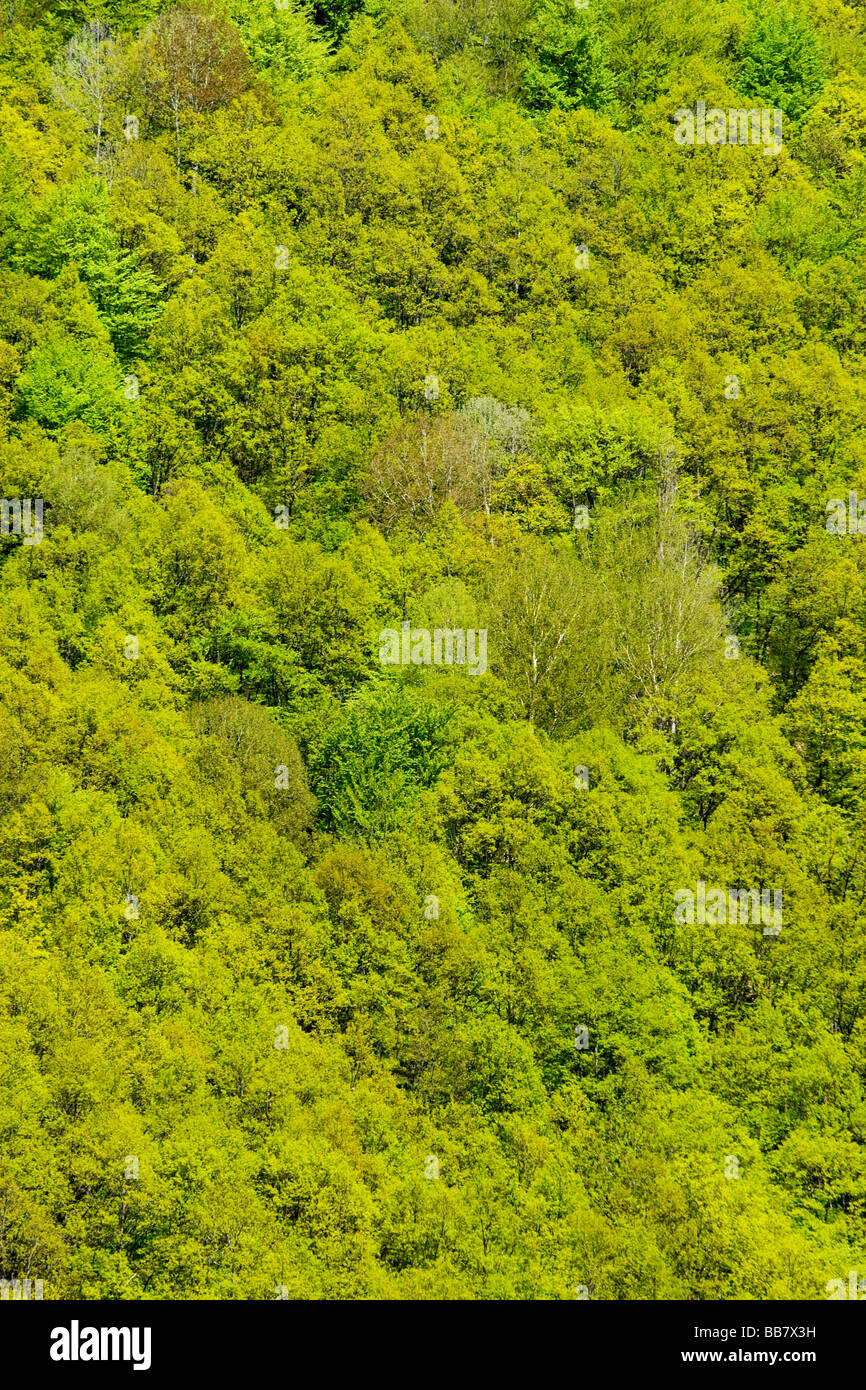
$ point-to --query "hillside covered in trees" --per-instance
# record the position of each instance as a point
(328, 968)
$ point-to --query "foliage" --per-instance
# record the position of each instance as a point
(356, 980)
(782, 62)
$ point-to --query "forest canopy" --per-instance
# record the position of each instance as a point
(329, 976)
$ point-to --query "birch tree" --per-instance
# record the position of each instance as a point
(547, 632)
(86, 77)
(662, 598)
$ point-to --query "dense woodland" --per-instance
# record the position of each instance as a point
(323, 978)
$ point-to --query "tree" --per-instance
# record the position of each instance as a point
(86, 78)
(389, 745)
(782, 62)
(322, 610)
(192, 60)
(282, 40)
(663, 597)
(266, 759)
(547, 640)
(425, 463)
(74, 226)
(567, 67)
(200, 561)
(65, 380)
